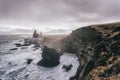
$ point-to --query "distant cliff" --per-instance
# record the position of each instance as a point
(98, 49)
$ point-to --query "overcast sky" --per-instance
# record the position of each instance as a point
(46, 15)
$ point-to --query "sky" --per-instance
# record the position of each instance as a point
(21, 16)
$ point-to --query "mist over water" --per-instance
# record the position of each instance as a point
(14, 62)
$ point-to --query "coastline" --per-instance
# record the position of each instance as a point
(15, 63)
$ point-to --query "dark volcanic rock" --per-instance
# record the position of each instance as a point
(98, 48)
(86, 34)
(35, 34)
(28, 42)
(23, 47)
(18, 44)
(79, 36)
(14, 49)
(29, 61)
(50, 58)
(67, 67)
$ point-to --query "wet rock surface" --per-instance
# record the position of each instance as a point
(29, 61)
(28, 42)
(50, 58)
(14, 49)
(67, 67)
(97, 47)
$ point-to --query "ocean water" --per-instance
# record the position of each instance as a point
(6, 41)
(13, 63)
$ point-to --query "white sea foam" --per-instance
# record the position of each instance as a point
(14, 66)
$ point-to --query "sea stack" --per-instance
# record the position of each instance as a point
(50, 58)
(35, 34)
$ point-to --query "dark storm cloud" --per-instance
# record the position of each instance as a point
(58, 11)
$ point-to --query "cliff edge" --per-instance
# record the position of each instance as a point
(98, 49)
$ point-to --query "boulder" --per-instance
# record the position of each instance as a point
(18, 44)
(14, 49)
(29, 61)
(27, 42)
(50, 58)
(67, 67)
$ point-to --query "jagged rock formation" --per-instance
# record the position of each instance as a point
(35, 34)
(98, 49)
(50, 58)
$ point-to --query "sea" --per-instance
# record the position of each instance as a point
(13, 61)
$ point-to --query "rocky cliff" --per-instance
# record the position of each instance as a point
(98, 49)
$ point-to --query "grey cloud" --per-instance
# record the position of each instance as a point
(60, 11)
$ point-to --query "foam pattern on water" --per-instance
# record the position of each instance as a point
(13, 66)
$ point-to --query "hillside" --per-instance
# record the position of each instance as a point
(98, 49)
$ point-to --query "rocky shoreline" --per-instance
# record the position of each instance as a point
(28, 59)
(97, 47)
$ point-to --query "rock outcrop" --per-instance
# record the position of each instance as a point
(35, 34)
(50, 58)
(28, 42)
(67, 67)
(98, 49)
